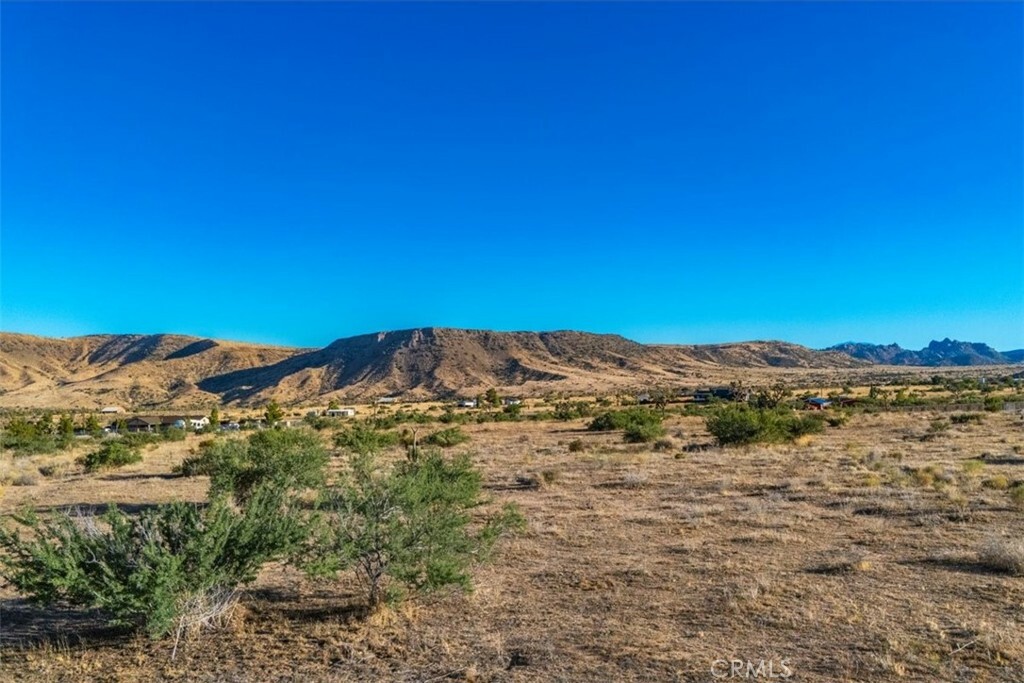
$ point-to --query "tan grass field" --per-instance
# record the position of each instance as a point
(863, 554)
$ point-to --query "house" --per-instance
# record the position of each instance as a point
(198, 422)
(467, 403)
(644, 398)
(386, 400)
(109, 410)
(143, 424)
(511, 401)
(340, 412)
(816, 403)
(722, 393)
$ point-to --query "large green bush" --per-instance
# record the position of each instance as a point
(640, 425)
(362, 438)
(287, 458)
(738, 425)
(408, 528)
(446, 438)
(111, 455)
(167, 568)
(643, 432)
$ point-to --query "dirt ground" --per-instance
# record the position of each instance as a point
(856, 555)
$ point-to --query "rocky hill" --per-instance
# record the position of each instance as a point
(145, 371)
(943, 353)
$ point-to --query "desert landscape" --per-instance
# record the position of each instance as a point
(887, 546)
(493, 342)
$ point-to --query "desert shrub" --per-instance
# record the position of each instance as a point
(406, 529)
(572, 410)
(837, 418)
(362, 438)
(29, 438)
(634, 480)
(622, 419)
(998, 482)
(285, 458)
(146, 571)
(1017, 495)
(643, 433)
(640, 425)
(993, 404)
(739, 425)
(453, 436)
(967, 418)
(111, 455)
(449, 416)
(972, 467)
(1003, 555)
(577, 446)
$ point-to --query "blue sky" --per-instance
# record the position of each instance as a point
(690, 172)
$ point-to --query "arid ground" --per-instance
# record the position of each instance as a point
(875, 551)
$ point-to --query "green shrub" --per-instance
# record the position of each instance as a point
(29, 438)
(111, 455)
(622, 419)
(643, 433)
(362, 438)
(1017, 495)
(993, 404)
(572, 410)
(967, 418)
(446, 438)
(837, 418)
(406, 529)
(285, 458)
(640, 425)
(739, 425)
(158, 571)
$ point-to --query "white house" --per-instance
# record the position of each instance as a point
(468, 403)
(340, 412)
(111, 409)
(199, 423)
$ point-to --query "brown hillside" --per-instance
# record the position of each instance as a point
(143, 371)
(128, 370)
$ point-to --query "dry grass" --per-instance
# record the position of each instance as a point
(836, 555)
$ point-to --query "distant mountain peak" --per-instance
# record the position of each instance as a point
(947, 352)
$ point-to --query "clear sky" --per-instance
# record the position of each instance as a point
(689, 172)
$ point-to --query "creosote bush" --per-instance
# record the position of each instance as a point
(145, 571)
(111, 455)
(640, 425)
(286, 458)
(740, 425)
(363, 438)
(406, 529)
(446, 438)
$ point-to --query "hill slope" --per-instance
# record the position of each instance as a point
(155, 370)
(129, 369)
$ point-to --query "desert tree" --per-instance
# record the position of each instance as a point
(406, 529)
(273, 413)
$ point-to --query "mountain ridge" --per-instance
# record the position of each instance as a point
(418, 363)
(945, 353)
